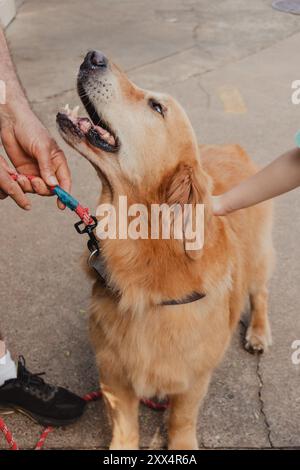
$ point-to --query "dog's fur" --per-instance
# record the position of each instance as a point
(143, 349)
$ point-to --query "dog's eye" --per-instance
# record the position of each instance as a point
(156, 106)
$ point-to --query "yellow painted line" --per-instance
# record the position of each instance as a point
(232, 100)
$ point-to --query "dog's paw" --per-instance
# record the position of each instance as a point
(258, 340)
(183, 445)
(117, 444)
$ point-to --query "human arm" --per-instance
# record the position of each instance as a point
(27, 142)
(280, 176)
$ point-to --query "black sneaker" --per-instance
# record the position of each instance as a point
(44, 403)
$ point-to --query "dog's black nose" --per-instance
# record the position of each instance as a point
(98, 59)
(94, 59)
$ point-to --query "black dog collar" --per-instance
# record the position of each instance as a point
(97, 262)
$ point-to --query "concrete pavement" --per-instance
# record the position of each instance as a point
(231, 65)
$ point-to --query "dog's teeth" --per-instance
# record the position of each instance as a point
(74, 112)
(111, 140)
(67, 109)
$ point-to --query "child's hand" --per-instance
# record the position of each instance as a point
(218, 205)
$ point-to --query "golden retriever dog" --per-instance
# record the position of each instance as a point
(151, 335)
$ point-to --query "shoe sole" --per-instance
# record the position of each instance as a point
(10, 409)
(5, 411)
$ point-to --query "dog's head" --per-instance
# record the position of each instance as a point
(131, 134)
(143, 147)
(140, 142)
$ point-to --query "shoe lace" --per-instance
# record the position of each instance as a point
(34, 382)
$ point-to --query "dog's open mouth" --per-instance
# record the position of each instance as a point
(93, 128)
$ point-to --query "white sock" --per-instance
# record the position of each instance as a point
(8, 368)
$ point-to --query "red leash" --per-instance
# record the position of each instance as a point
(92, 396)
(12, 443)
(88, 220)
(8, 436)
(66, 198)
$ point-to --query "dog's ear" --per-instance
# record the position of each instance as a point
(182, 186)
(187, 187)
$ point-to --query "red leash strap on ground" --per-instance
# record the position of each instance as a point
(8, 436)
(155, 405)
(92, 396)
(12, 443)
(43, 438)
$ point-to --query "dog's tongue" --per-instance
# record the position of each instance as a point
(105, 135)
(85, 125)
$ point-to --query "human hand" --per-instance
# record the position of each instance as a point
(33, 151)
(9, 187)
(219, 206)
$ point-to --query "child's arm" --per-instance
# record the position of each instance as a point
(280, 176)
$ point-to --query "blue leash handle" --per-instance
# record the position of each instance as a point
(65, 198)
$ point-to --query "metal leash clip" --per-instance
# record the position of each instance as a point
(92, 243)
(95, 259)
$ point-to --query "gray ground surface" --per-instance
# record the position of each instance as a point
(205, 53)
